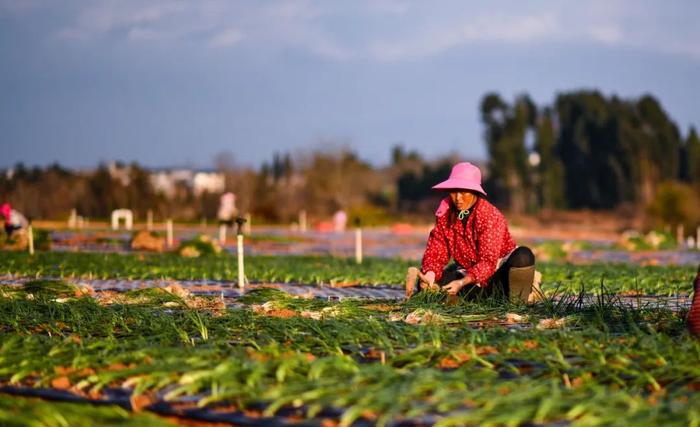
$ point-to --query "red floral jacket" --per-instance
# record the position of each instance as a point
(477, 245)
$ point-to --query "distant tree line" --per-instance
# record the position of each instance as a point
(589, 151)
(52, 192)
(585, 151)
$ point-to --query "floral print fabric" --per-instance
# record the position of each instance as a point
(476, 244)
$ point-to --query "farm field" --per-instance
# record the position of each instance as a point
(319, 270)
(189, 349)
(308, 213)
(406, 243)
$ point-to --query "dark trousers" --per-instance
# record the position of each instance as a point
(9, 229)
(498, 284)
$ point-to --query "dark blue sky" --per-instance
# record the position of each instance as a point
(173, 83)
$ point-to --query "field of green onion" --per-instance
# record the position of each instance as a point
(560, 277)
(274, 358)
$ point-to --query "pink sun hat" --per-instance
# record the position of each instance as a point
(5, 210)
(464, 176)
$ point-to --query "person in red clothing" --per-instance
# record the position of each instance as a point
(474, 233)
(14, 220)
(694, 313)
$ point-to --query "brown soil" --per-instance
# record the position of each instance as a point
(454, 360)
(573, 225)
(61, 383)
(344, 284)
(140, 401)
(283, 313)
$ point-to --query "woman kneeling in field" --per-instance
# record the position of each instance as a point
(475, 234)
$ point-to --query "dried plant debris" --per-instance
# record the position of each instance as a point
(579, 358)
(656, 280)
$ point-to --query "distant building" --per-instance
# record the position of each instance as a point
(209, 182)
(120, 173)
(167, 181)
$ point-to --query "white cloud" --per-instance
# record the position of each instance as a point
(690, 48)
(607, 34)
(517, 29)
(497, 28)
(291, 10)
(226, 38)
(138, 21)
(413, 30)
(329, 49)
(16, 7)
(71, 33)
(146, 34)
(388, 7)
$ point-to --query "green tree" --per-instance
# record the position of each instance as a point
(550, 170)
(613, 150)
(509, 177)
(582, 118)
(414, 186)
(336, 179)
(659, 153)
(675, 203)
(692, 157)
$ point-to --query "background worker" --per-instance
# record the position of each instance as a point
(227, 209)
(14, 220)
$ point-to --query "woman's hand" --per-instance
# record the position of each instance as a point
(455, 286)
(427, 278)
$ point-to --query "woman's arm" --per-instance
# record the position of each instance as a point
(491, 230)
(437, 251)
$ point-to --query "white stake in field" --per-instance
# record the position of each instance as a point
(239, 252)
(302, 221)
(30, 236)
(358, 245)
(222, 234)
(248, 226)
(169, 232)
